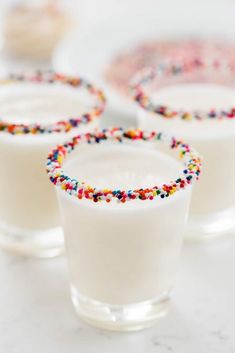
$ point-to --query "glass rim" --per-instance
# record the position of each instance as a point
(80, 189)
(60, 126)
(170, 69)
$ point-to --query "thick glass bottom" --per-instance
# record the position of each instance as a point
(132, 317)
(41, 244)
(211, 226)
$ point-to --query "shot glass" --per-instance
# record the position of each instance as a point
(123, 236)
(196, 100)
(38, 110)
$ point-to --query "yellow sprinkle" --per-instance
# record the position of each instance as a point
(60, 159)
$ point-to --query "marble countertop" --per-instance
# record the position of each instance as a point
(37, 314)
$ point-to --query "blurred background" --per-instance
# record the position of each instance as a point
(89, 37)
(84, 36)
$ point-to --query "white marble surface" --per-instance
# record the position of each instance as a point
(37, 315)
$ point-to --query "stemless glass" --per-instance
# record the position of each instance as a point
(123, 237)
(33, 110)
(32, 30)
(196, 100)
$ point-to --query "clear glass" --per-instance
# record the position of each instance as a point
(212, 210)
(29, 214)
(32, 29)
(122, 257)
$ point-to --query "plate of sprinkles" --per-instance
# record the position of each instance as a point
(112, 60)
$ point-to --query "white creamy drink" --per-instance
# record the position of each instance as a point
(29, 215)
(212, 210)
(122, 255)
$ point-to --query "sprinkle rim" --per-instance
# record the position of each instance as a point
(80, 189)
(171, 69)
(61, 126)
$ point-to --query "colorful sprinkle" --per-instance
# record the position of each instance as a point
(50, 77)
(80, 190)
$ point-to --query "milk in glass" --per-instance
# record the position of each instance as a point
(212, 210)
(29, 215)
(123, 256)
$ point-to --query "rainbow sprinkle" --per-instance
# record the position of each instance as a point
(171, 70)
(50, 77)
(79, 189)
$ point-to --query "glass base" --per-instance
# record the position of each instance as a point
(132, 317)
(212, 226)
(41, 244)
